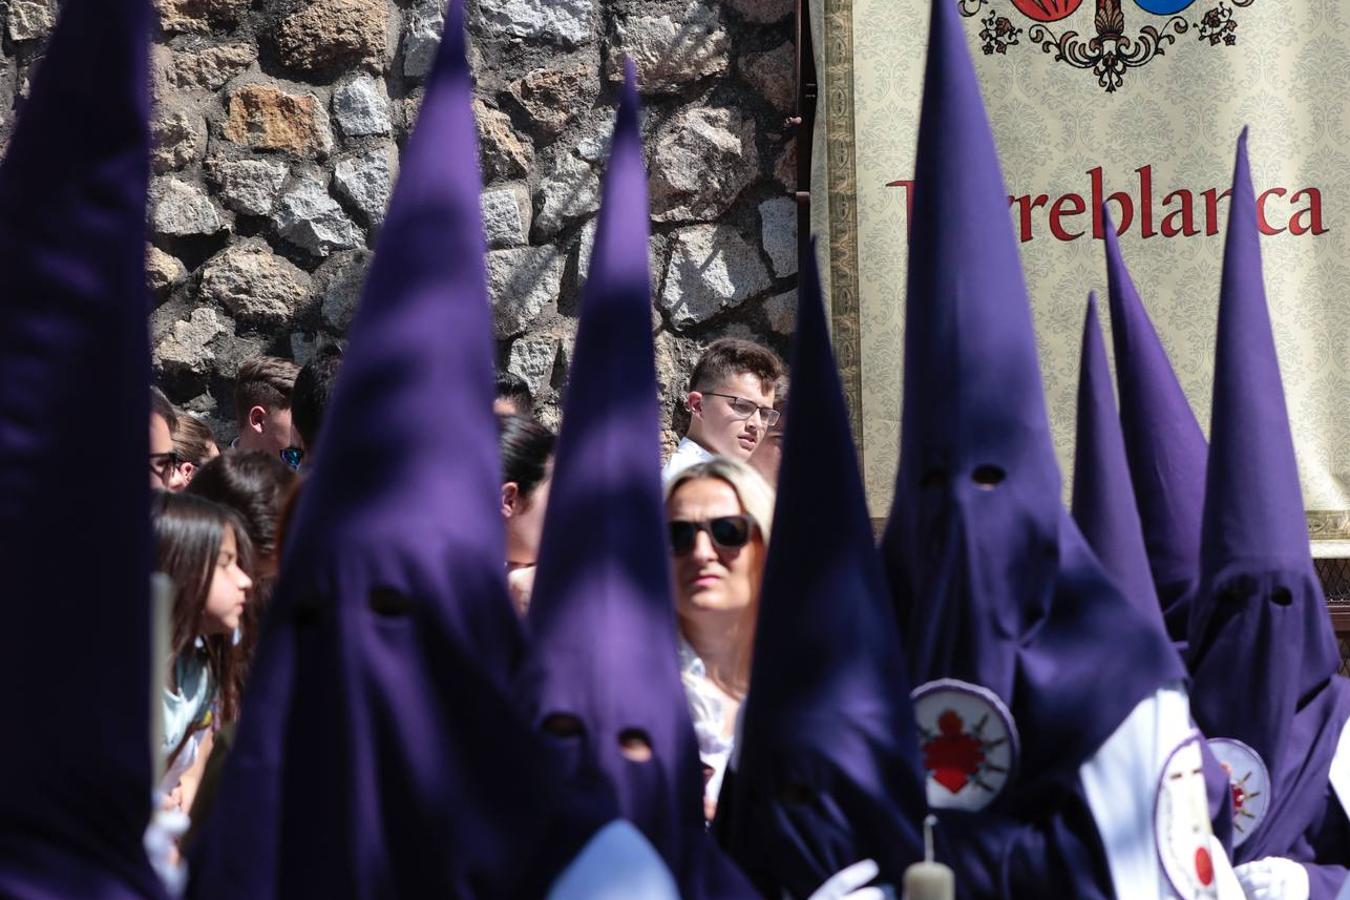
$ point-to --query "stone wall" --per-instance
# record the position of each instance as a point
(277, 130)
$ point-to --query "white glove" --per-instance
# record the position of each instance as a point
(1273, 878)
(848, 884)
(161, 846)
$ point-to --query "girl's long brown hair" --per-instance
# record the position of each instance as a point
(189, 531)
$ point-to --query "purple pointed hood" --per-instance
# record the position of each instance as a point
(381, 734)
(1163, 443)
(1262, 652)
(1103, 498)
(602, 619)
(995, 587)
(76, 770)
(828, 718)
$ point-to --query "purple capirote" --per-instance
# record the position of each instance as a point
(602, 616)
(1262, 653)
(828, 768)
(1164, 445)
(380, 753)
(993, 582)
(76, 770)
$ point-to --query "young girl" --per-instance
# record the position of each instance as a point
(205, 551)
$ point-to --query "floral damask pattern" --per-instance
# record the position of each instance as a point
(1288, 78)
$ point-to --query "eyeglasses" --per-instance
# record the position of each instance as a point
(292, 456)
(744, 408)
(727, 532)
(162, 465)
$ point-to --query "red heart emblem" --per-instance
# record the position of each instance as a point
(952, 757)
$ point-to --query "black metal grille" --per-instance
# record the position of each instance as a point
(1335, 575)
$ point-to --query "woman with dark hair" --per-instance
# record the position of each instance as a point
(204, 549)
(253, 484)
(527, 468)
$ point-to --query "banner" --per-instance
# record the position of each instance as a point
(1136, 103)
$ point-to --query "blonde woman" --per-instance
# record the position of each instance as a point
(719, 512)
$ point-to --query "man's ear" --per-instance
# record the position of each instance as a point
(694, 403)
(510, 499)
(257, 418)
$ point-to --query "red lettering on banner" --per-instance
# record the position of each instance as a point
(1058, 213)
(1300, 211)
(1212, 198)
(908, 188)
(1146, 201)
(1180, 221)
(1026, 205)
(1126, 206)
(1314, 212)
(1261, 222)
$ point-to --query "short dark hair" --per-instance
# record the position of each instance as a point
(729, 357)
(264, 381)
(160, 406)
(251, 483)
(512, 387)
(526, 448)
(313, 389)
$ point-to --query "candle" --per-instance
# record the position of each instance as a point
(161, 606)
(929, 880)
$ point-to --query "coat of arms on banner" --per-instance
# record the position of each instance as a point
(1250, 782)
(968, 740)
(1181, 823)
(1112, 50)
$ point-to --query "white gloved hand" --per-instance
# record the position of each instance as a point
(1273, 878)
(849, 884)
(161, 846)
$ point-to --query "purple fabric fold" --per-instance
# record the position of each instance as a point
(76, 768)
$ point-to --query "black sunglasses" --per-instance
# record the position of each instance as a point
(727, 532)
(292, 456)
(161, 464)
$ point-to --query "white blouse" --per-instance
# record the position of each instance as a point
(708, 709)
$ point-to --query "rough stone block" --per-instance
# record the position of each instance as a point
(248, 186)
(670, 51)
(31, 20)
(162, 272)
(762, 11)
(521, 282)
(339, 282)
(778, 232)
(566, 22)
(366, 182)
(532, 357)
(178, 138)
(781, 311)
(263, 117)
(186, 346)
(554, 97)
(182, 209)
(774, 74)
(308, 217)
(199, 16)
(209, 68)
(361, 107)
(569, 190)
(254, 284)
(712, 268)
(422, 27)
(503, 153)
(506, 216)
(704, 157)
(328, 33)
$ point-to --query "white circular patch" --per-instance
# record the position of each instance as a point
(1181, 823)
(969, 743)
(1249, 780)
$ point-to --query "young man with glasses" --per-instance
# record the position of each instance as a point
(165, 467)
(262, 401)
(730, 403)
